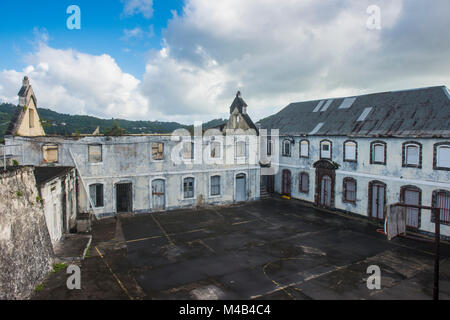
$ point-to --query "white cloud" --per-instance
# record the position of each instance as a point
(73, 82)
(144, 7)
(278, 52)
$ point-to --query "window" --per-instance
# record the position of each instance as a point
(442, 156)
(349, 190)
(442, 201)
(31, 117)
(188, 188)
(240, 149)
(50, 153)
(350, 154)
(304, 149)
(412, 154)
(286, 148)
(378, 152)
(215, 186)
(269, 147)
(96, 193)
(215, 149)
(303, 180)
(325, 149)
(158, 151)
(188, 150)
(95, 153)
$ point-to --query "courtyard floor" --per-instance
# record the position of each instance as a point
(269, 249)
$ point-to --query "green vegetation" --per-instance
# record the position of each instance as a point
(55, 123)
(39, 287)
(39, 199)
(19, 193)
(15, 163)
(88, 252)
(116, 130)
(59, 266)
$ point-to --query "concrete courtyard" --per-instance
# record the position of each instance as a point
(269, 249)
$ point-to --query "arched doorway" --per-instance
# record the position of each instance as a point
(286, 183)
(325, 183)
(241, 187)
(325, 191)
(377, 199)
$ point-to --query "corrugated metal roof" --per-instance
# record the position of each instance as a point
(421, 112)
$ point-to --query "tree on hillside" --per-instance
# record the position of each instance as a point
(116, 130)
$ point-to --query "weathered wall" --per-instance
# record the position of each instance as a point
(392, 174)
(26, 253)
(128, 159)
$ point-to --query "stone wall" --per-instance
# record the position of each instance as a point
(26, 254)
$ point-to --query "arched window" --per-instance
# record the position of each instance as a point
(215, 185)
(286, 148)
(441, 200)
(188, 188)
(413, 196)
(50, 153)
(350, 151)
(304, 149)
(412, 154)
(349, 190)
(378, 152)
(303, 182)
(325, 149)
(441, 159)
(96, 194)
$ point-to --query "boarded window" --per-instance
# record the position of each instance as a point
(96, 193)
(325, 150)
(240, 149)
(304, 182)
(31, 117)
(350, 151)
(304, 149)
(188, 188)
(50, 153)
(286, 148)
(158, 151)
(215, 149)
(188, 150)
(443, 156)
(349, 190)
(215, 185)
(95, 153)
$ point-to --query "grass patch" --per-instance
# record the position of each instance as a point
(88, 251)
(39, 287)
(59, 266)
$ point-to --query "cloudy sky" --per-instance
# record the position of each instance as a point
(185, 60)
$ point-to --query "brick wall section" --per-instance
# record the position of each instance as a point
(26, 254)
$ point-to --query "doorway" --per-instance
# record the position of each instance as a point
(241, 188)
(124, 197)
(411, 195)
(377, 196)
(325, 191)
(286, 183)
(158, 195)
(325, 183)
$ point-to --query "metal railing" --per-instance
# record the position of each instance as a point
(436, 214)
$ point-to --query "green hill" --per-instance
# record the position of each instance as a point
(66, 124)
